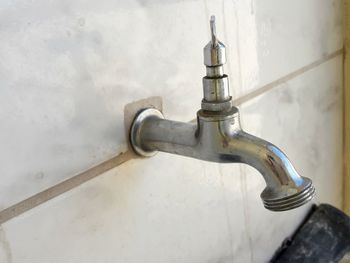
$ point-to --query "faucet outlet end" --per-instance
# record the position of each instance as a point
(288, 197)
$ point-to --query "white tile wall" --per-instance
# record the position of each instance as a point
(67, 68)
(175, 209)
(295, 34)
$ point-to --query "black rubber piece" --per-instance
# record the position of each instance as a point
(323, 237)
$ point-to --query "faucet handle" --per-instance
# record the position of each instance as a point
(214, 40)
(215, 84)
(214, 51)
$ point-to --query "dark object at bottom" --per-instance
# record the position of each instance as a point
(323, 237)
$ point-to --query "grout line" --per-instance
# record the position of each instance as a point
(62, 187)
(273, 84)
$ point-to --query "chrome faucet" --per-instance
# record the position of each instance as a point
(217, 137)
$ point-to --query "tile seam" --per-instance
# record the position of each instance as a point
(259, 91)
(71, 183)
(62, 187)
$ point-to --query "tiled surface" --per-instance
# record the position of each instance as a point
(295, 34)
(175, 209)
(67, 69)
(133, 213)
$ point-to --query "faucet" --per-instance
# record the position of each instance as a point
(217, 136)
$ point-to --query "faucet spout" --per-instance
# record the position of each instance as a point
(285, 188)
(217, 137)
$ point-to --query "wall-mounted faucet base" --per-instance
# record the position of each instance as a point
(135, 130)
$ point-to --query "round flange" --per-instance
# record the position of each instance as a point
(136, 129)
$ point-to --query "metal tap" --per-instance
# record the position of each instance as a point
(217, 137)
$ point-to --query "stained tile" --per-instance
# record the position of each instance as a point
(156, 210)
(290, 36)
(62, 95)
(174, 209)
